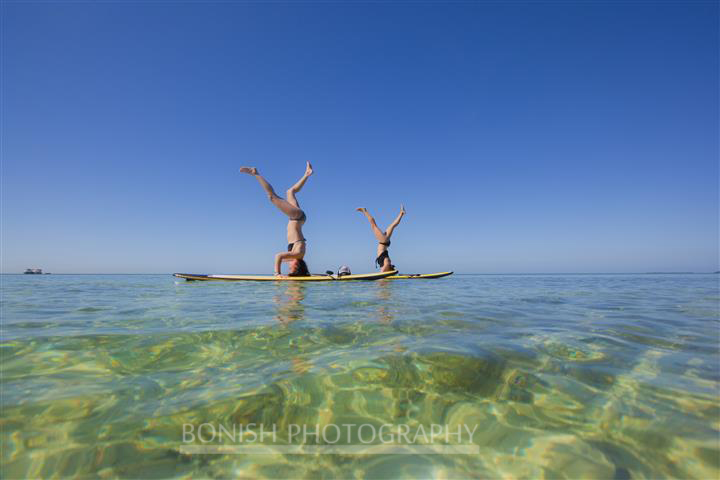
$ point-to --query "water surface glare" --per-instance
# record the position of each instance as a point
(563, 376)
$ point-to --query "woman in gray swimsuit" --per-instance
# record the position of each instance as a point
(290, 207)
(383, 257)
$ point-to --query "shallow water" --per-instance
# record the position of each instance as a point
(560, 376)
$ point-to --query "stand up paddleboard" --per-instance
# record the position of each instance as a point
(272, 278)
(404, 276)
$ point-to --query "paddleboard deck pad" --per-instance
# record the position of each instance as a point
(403, 276)
(272, 278)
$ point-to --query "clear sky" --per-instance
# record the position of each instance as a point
(521, 137)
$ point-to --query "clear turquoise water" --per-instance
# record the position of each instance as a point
(565, 376)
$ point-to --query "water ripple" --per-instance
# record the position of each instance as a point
(568, 376)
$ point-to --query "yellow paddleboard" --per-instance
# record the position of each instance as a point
(419, 275)
(272, 278)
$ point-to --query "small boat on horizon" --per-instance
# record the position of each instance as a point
(33, 271)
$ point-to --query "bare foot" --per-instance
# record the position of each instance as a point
(361, 209)
(249, 170)
(308, 170)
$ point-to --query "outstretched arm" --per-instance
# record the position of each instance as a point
(378, 233)
(395, 222)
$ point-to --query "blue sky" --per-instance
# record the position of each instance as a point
(522, 137)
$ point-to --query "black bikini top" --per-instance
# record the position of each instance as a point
(379, 260)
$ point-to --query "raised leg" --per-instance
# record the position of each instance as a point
(379, 235)
(292, 211)
(296, 188)
(395, 222)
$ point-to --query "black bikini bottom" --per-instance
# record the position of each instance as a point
(290, 245)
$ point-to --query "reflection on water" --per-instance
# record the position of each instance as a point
(562, 376)
(289, 306)
(384, 296)
(289, 302)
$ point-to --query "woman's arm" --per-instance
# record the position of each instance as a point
(284, 257)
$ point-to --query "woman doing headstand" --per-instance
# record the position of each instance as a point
(383, 238)
(290, 207)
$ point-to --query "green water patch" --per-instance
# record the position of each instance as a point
(479, 375)
(91, 309)
(572, 353)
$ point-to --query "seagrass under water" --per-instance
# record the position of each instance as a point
(563, 376)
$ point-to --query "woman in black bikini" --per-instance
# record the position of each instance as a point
(290, 207)
(383, 238)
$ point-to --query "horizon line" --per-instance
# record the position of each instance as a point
(456, 273)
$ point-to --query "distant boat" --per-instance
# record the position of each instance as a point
(33, 271)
